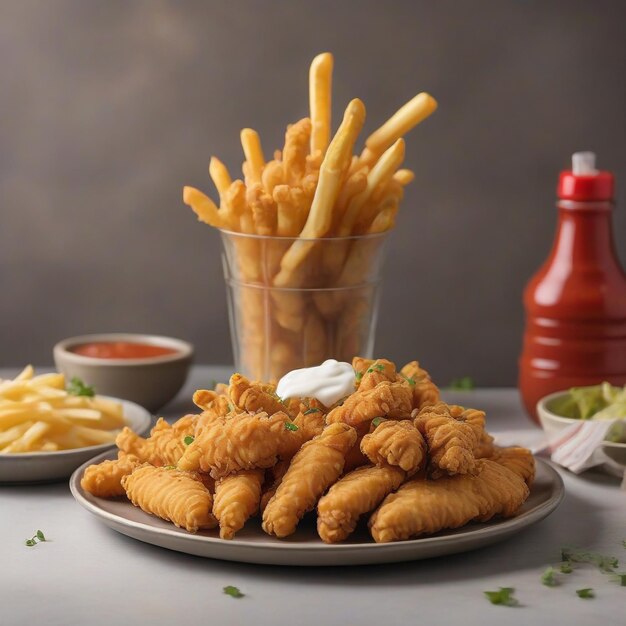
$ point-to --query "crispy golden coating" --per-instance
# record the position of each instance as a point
(451, 442)
(236, 499)
(212, 400)
(393, 400)
(316, 466)
(425, 392)
(273, 477)
(310, 422)
(104, 480)
(519, 460)
(423, 506)
(396, 443)
(244, 441)
(360, 365)
(357, 493)
(165, 445)
(172, 495)
(253, 397)
(377, 372)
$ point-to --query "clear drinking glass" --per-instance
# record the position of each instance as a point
(295, 302)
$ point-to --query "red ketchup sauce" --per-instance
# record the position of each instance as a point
(120, 350)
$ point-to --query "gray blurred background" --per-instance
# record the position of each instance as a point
(108, 108)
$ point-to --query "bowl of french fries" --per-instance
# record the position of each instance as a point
(303, 233)
(49, 426)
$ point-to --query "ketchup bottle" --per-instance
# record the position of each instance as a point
(576, 303)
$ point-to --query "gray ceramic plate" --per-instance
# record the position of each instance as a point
(36, 467)
(252, 545)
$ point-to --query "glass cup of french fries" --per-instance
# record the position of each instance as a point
(327, 311)
(303, 232)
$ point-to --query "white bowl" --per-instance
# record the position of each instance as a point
(32, 467)
(553, 424)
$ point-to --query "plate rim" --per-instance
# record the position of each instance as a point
(540, 512)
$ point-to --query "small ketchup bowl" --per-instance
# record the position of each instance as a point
(147, 369)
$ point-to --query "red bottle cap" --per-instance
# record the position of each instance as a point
(583, 182)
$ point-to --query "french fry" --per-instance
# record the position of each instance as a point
(272, 176)
(251, 144)
(288, 200)
(320, 90)
(332, 170)
(219, 175)
(203, 207)
(404, 177)
(380, 174)
(296, 150)
(401, 122)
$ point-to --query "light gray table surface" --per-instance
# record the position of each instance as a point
(89, 574)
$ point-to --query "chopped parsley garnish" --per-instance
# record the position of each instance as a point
(566, 568)
(309, 411)
(602, 562)
(411, 381)
(233, 592)
(463, 383)
(291, 426)
(78, 388)
(358, 376)
(231, 407)
(620, 578)
(169, 467)
(624, 543)
(377, 367)
(504, 596)
(189, 439)
(38, 537)
(376, 421)
(585, 593)
(548, 578)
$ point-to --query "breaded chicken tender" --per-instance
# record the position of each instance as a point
(423, 506)
(165, 445)
(273, 476)
(212, 400)
(253, 397)
(393, 400)
(236, 499)
(316, 466)
(379, 371)
(519, 460)
(357, 493)
(451, 442)
(397, 443)
(311, 423)
(172, 495)
(425, 392)
(104, 480)
(244, 441)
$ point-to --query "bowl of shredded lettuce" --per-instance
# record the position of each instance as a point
(597, 402)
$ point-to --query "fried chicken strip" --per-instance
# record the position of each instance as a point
(357, 493)
(451, 442)
(316, 466)
(172, 495)
(397, 443)
(165, 445)
(244, 441)
(379, 371)
(236, 499)
(519, 460)
(423, 506)
(253, 397)
(393, 400)
(425, 392)
(104, 480)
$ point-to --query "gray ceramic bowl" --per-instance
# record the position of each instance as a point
(151, 382)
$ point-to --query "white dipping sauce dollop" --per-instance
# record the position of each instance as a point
(328, 382)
